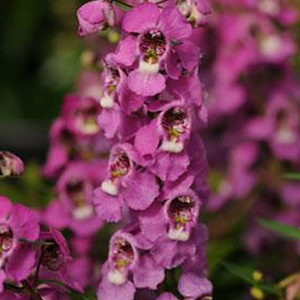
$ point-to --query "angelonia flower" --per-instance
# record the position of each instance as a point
(261, 143)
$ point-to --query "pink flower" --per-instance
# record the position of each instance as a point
(126, 261)
(54, 257)
(124, 183)
(18, 224)
(75, 208)
(157, 30)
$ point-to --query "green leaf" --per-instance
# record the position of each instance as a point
(282, 229)
(88, 298)
(239, 271)
(293, 176)
(246, 274)
(122, 5)
(218, 250)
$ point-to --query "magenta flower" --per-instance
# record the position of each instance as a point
(81, 115)
(124, 183)
(123, 256)
(120, 168)
(75, 134)
(18, 224)
(157, 30)
(112, 78)
(174, 125)
(54, 257)
(75, 208)
(125, 261)
(182, 212)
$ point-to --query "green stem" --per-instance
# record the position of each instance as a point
(36, 275)
(13, 288)
(57, 283)
(31, 290)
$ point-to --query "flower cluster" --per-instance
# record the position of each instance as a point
(249, 74)
(155, 180)
(125, 149)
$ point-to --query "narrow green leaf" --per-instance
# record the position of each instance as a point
(122, 5)
(245, 273)
(218, 250)
(293, 176)
(282, 229)
(239, 271)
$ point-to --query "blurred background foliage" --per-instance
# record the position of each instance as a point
(40, 61)
(39, 58)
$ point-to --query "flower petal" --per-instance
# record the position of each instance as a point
(125, 53)
(141, 18)
(174, 25)
(141, 191)
(147, 139)
(108, 208)
(192, 286)
(108, 291)
(148, 274)
(146, 84)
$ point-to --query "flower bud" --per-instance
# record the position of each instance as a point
(10, 164)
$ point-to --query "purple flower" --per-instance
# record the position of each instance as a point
(125, 262)
(174, 126)
(17, 257)
(95, 16)
(122, 174)
(113, 78)
(10, 164)
(157, 29)
(175, 218)
(75, 134)
(240, 178)
(182, 211)
(75, 208)
(54, 257)
(123, 256)
(116, 99)
(120, 168)
(81, 115)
